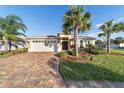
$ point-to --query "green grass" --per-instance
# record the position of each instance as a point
(102, 68)
(118, 51)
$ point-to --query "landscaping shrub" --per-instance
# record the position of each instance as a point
(71, 52)
(13, 52)
(93, 49)
(82, 50)
(3, 53)
(25, 49)
(21, 50)
(62, 54)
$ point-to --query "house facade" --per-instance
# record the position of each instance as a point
(58, 43)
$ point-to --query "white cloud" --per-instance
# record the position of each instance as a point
(94, 34)
(120, 19)
(98, 25)
(120, 34)
(115, 21)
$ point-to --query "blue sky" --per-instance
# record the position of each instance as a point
(47, 20)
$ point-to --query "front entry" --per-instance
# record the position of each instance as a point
(65, 45)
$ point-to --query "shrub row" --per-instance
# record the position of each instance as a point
(93, 49)
(62, 55)
(13, 52)
(89, 49)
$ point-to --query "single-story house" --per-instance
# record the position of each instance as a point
(57, 43)
(52, 43)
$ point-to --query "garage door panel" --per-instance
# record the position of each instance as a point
(38, 47)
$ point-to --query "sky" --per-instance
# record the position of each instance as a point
(48, 20)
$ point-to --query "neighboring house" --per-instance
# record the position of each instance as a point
(112, 44)
(57, 43)
(121, 45)
(51, 43)
(2, 48)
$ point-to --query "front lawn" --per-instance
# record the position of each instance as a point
(117, 51)
(101, 68)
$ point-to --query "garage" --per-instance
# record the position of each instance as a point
(42, 44)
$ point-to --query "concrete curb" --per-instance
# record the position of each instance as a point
(54, 64)
(60, 77)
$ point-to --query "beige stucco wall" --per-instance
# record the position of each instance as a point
(85, 42)
(50, 47)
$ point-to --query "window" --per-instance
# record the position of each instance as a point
(81, 41)
(28, 42)
(36, 41)
(88, 42)
(39, 41)
(51, 41)
(54, 41)
(81, 44)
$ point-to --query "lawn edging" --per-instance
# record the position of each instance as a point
(54, 65)
(58, 71)
(59, 74)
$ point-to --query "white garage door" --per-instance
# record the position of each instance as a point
(39, 46)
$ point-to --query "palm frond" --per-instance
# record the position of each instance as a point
(14, 18)
(75, 17)
(101, 34)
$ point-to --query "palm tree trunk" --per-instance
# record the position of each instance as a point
(76, 41)
(108, 43)
(5, 44)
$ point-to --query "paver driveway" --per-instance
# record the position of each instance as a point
(29, 70)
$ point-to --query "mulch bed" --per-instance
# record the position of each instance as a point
(83, 57)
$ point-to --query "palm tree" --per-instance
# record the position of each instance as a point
(109, 28)
(101, 35)
(76, 20)
(12, 30)
(3, 32)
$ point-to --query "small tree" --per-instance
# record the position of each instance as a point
(12, 29)
(109, 28)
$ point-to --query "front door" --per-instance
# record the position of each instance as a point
(65, 45)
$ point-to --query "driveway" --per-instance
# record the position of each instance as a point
(30, 70)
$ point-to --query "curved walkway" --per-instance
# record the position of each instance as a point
(30, 70)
